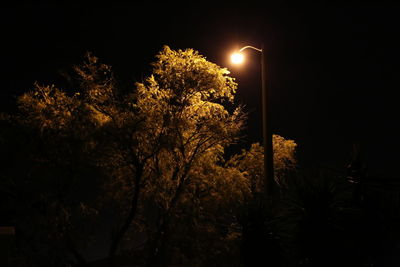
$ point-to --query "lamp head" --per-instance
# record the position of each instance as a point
(237, 58)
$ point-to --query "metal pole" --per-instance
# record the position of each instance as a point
(269, 181)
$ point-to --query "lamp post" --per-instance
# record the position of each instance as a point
(269, 181)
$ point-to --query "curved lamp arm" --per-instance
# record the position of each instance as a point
(251, 47)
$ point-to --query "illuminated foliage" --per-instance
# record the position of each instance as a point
(181, 104)
(251, 162)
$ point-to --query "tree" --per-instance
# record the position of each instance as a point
(66, 145)
(47, 151)
(255, 216)
(182, 102)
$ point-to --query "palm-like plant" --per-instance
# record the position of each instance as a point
(314, 219)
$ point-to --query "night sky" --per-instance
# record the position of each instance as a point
(332, 70)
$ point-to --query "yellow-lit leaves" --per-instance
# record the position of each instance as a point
(186, 72)
(48, 107)
(96, 80)
(251, 161)
(181, 101)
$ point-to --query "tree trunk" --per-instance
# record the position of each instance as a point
(129, 219)
(81, 261)
(157, 248)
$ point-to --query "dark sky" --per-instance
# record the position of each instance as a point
(332, 70)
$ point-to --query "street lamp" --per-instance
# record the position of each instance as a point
(269, 181)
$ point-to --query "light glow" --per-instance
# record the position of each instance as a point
(237, 58)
